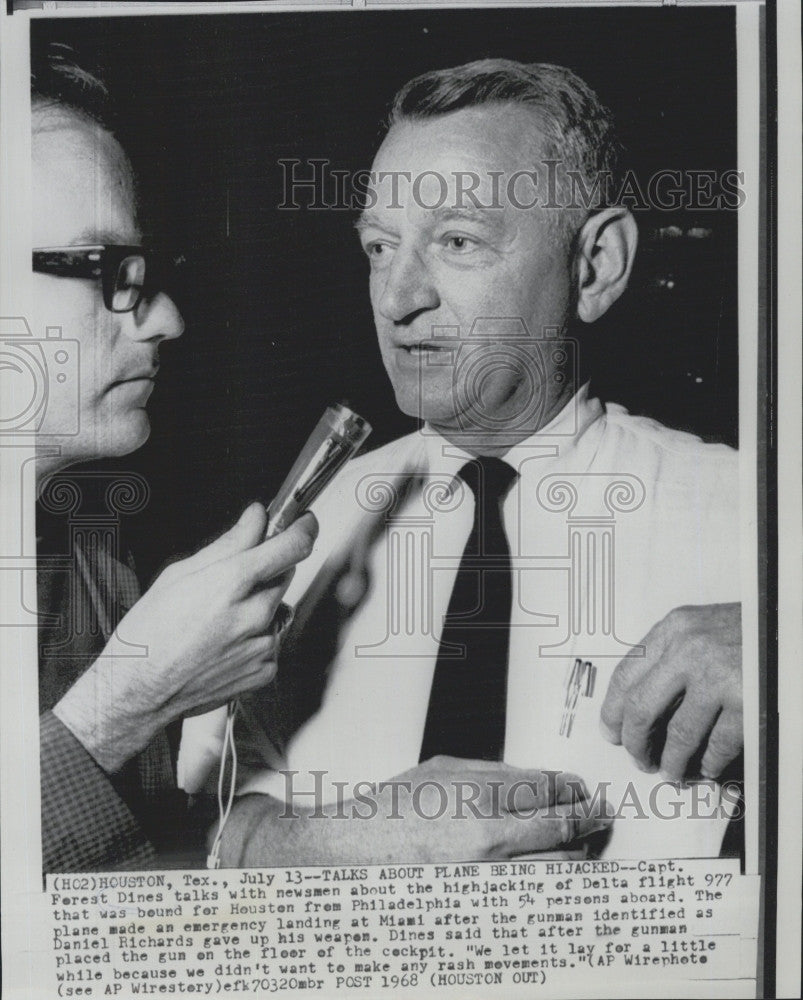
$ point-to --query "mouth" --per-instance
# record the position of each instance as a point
(425, 347)
(147, 376)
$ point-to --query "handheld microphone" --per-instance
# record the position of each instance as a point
(335, 439)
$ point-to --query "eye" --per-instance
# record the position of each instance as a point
(460, 244)
(378, 252)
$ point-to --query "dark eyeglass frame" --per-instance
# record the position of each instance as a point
(103, 262)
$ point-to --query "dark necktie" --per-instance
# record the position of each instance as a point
(467, 703)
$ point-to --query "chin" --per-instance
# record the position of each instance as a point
(126, 435)
(429, 407)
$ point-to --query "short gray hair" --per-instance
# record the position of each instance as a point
(578, 130)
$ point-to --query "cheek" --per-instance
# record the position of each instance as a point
(51, 307)
(478, 294)
(539, 312)
(74, 307)
(376, 285)
(96, 345)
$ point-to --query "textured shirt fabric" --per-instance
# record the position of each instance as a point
(614, 521)
(86, 825)
(92, 820)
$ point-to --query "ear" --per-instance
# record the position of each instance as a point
(606, 248)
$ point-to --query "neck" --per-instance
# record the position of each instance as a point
(48, 462)
(497, 442)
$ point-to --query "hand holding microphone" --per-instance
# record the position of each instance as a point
(335, 439)
(200, 636)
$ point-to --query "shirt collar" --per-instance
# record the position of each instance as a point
(569, 433)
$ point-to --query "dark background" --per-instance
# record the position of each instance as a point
(276, 304)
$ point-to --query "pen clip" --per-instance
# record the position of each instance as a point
(582, 678)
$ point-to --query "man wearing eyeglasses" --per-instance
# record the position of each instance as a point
(116, 669)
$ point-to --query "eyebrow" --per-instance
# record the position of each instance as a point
(485, 216)
(366, 219)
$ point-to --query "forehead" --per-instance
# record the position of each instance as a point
(473, 147)
(82, 185)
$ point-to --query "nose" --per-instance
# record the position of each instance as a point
(155, 319)
(406, 288)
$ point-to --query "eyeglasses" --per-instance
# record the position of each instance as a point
(126, 273)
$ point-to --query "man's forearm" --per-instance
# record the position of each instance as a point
(412, 817)
(263, 831)
(91, 710)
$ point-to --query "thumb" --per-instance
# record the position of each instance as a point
(631, 669)
(245, 534)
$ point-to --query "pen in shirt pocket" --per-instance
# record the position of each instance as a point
(580, 682)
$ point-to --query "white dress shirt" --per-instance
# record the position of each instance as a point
(614, 521)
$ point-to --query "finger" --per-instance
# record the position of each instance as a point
(261, 607)
(554, 827)
(262, 673)
(258, 670)
(273, 557)
(246, 533)
(645, 703)
(629, 671)
(265, 596)
(518, 788)
(724, 744)
(685, 734)
(529, 790)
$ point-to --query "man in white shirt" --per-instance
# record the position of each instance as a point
(431, 724)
